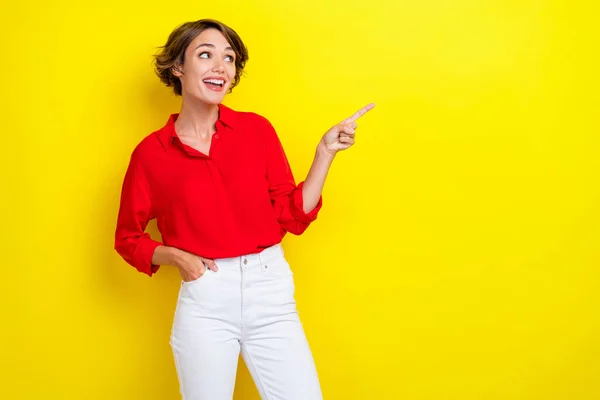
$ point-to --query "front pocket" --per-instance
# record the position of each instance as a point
(278, 267)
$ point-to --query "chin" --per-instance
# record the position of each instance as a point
(212, 97)
(212, 100)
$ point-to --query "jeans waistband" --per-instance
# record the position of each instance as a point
(268, 254)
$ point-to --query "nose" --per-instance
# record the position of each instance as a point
(218, 66)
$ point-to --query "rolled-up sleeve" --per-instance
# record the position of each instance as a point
(135, 211)
(286, 196)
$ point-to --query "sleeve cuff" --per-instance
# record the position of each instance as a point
(297, 206)
(142, 258)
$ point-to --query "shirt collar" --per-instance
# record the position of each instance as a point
(227, 118)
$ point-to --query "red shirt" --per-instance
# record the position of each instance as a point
(238, 199)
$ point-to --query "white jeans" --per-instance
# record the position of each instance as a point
(247, 305)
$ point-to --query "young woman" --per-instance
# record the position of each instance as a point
(222, 191)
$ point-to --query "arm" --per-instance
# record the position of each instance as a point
(135, 245)
(315, 180)
(135, 211)
(297, 206)
(338, 138)
(287, 198)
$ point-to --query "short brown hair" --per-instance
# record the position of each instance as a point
(173, 52)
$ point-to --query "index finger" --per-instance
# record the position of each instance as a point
(360, 113)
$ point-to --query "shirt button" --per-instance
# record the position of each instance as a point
(216, 136)
(245, 261)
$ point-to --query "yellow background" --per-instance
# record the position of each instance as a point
(457, 253)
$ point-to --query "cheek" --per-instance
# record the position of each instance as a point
(231, 71)
(196, 70)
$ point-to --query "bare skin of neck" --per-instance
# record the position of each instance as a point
(196, 124)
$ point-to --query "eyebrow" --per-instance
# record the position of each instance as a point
(212, 46)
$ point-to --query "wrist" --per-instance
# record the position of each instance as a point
(178, 257)
(324, 153)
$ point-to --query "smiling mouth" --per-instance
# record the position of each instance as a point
(214, 83)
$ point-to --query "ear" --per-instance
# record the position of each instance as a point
(176, 70)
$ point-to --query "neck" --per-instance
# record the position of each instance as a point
(196, 119)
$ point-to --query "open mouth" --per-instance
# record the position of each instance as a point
(214, 84)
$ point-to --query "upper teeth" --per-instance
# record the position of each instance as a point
(215, 81)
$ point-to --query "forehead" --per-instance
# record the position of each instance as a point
(209, 36)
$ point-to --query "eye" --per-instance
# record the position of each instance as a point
(204, 54)
(229, 58)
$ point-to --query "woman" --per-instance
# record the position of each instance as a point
(220, 186)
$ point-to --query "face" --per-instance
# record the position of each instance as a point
(209, 68)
